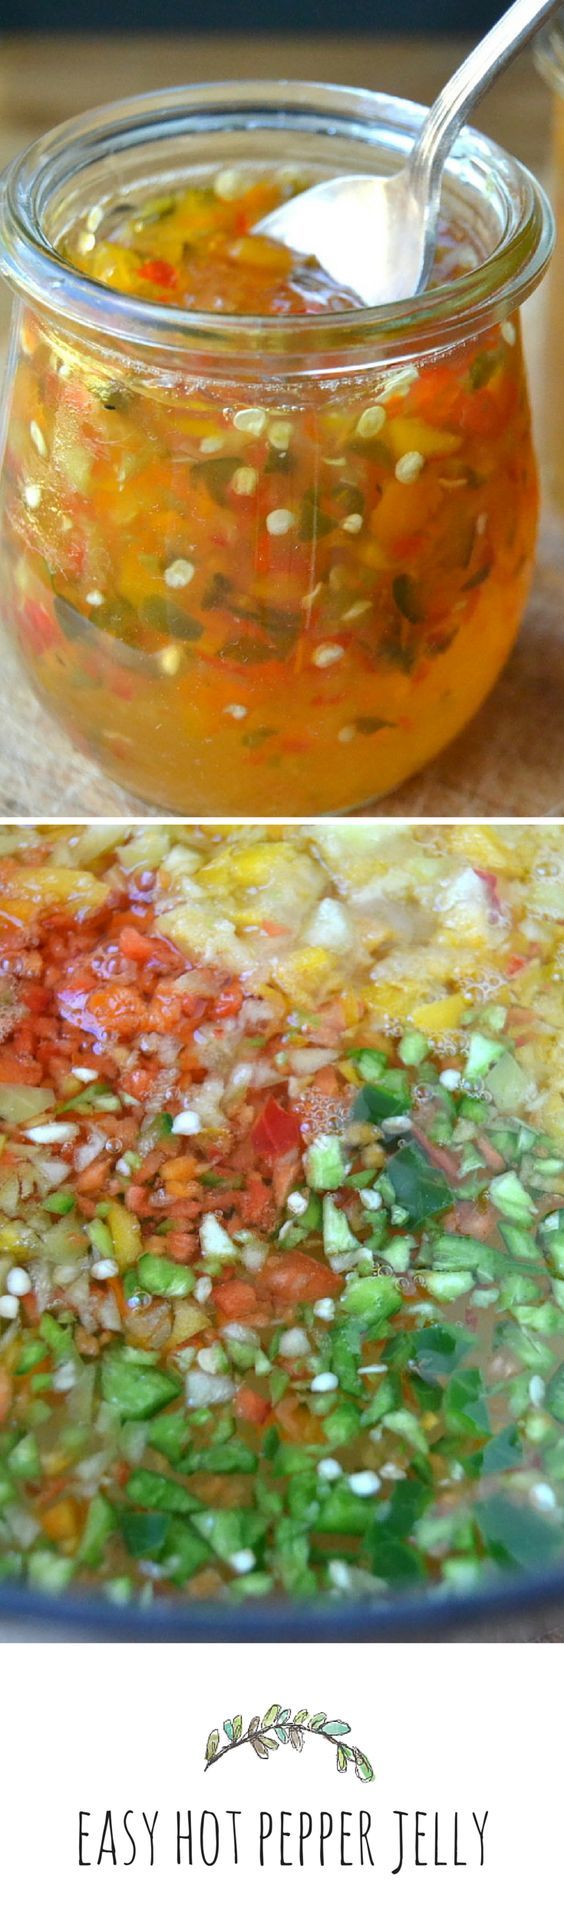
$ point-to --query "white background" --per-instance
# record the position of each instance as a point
(446, 1727)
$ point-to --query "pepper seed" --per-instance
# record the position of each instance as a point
(327, 655)
(279, 521)
(251, 419)
(179, 573)
(409, 467)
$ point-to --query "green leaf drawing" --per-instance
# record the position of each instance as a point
(290, 1729)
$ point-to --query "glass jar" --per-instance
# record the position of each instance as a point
(333, 627)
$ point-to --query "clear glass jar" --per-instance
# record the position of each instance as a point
(340, 622)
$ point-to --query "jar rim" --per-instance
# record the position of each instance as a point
(438, 316)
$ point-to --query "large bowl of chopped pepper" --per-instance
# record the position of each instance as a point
(281, 1226)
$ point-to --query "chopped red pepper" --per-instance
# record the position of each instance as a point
(159, 272)
(229, 1002)
(276, 1131)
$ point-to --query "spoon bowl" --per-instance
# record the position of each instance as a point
(377, 236)
(332, 221)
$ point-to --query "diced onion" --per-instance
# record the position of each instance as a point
(18, 1103)
(202, 1388)
(253, 1256)
(294, 1344)
(243, 1334)
(108, 1314)
(54, 1132)
(23, 1527)
(309, 1059)
(89, 1149)
(53, 1171)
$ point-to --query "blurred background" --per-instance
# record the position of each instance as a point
(246, 16)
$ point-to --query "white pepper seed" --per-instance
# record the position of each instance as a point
(327, 655)
(228, 184)
(251, 419)
(371, 422)
(400, 382)
(279, 435)
(357, 610)
(409, 467)
(280, 521)
(179, 573)
(245, 481)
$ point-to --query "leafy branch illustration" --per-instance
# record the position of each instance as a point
(280, 1726)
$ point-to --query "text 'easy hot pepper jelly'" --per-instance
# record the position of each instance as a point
(267, 550)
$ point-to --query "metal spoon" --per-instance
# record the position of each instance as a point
(377, 236)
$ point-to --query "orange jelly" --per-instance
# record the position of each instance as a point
(272, 576)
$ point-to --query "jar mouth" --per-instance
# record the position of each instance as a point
(161, 130)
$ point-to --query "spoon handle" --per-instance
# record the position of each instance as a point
(450, 111)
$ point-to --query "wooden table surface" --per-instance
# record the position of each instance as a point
(510, 760)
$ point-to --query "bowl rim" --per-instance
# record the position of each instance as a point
(434, 1615)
